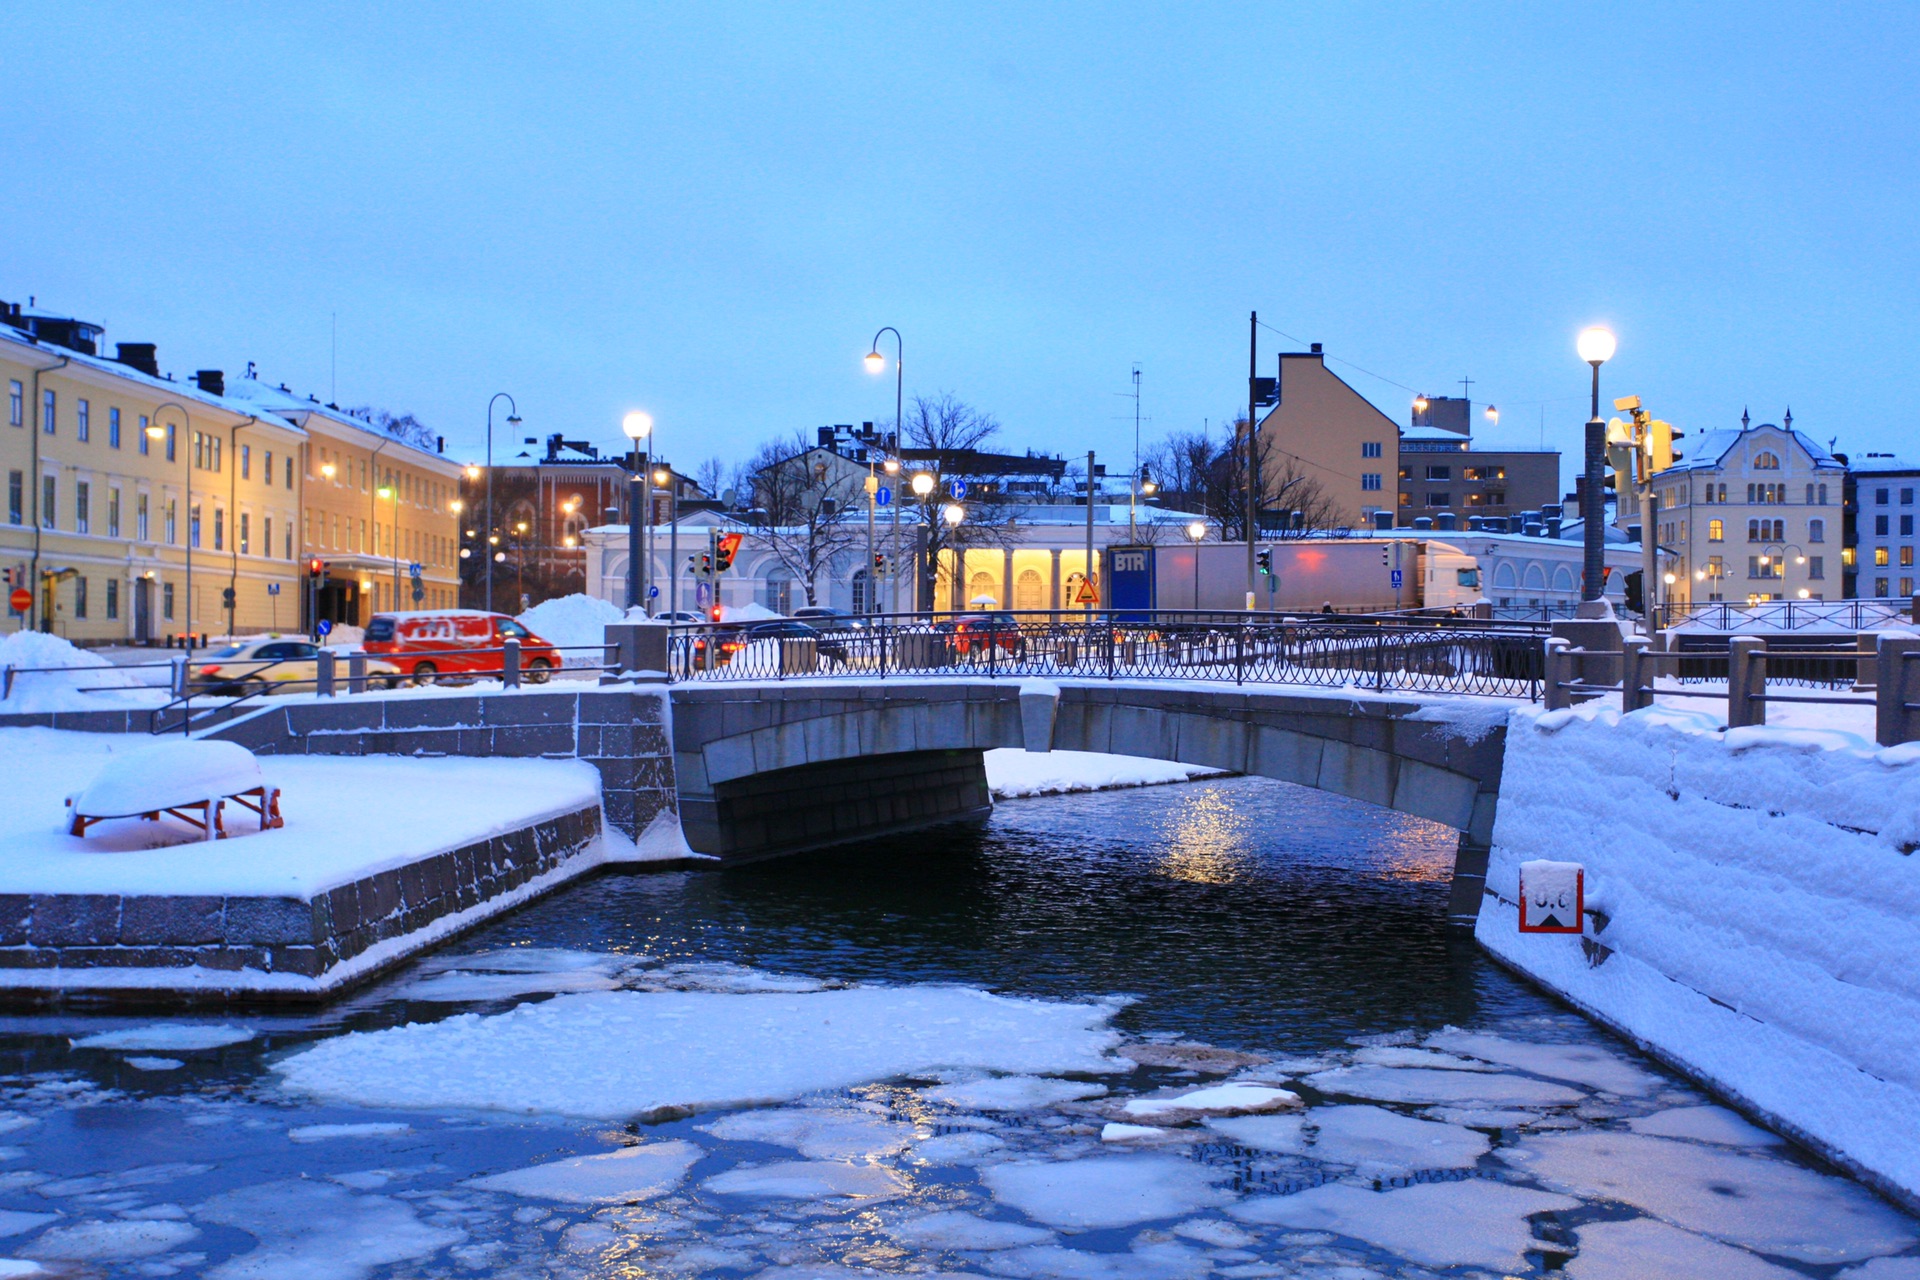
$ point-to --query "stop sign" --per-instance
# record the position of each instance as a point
(21, 600)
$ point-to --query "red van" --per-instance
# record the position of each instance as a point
(431, 643)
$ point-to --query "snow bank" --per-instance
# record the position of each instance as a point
(574, 1055)
(37, 693)
(572, 620)
(1756, 906)
(748, 612)
(1012, 772)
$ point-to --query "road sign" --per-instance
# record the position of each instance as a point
(882, 496)
(321, 627)
(1396, 577)
(419, 592)
(653, 593)
(1553, 897)
(273, 588)
(958, 488)
(703, 593)
(413, 570)
(1087, 594)
(21, 600)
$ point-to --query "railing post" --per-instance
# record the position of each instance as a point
(323, 674)
(1379, 661)
(356, 673)
(1746, 681)
(1559, 672)
(1897, 695)
(510, 663)
(1636, 675)
(177, 678)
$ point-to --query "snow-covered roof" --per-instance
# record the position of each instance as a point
(1442, 434)
(183, 391)
(1710, 450)
(1887, 464)
(285, 403)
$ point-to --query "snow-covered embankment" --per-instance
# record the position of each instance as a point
(1753, 911)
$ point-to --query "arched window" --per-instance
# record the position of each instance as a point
(860, 580)
(779, 590)
(1766, 460)
(1503, 575)
(1816, 530)
(1716, 531)
(1563, 579)
(1536, 577)
(982, 591)
(1823, 495)
(1030, 590)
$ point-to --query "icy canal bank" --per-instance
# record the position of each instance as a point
(1753, 911)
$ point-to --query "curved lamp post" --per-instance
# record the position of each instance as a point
(1596, 346)
(636, 426)
(513, 420)
(877, 363)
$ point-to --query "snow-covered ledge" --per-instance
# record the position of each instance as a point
(1753, 911)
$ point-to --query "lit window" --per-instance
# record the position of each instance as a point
(1716, 531)
(1880, 558)
(1766, 461)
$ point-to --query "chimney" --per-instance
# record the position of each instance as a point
(1315, 348)
(826, 437)
(138, 355)
(211, 381)
(440, 444)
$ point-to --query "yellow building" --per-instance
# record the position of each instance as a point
(1319, 434)
(122, 486)
(374, 505)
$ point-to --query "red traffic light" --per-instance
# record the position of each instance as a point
(728, 544)
(316, 567)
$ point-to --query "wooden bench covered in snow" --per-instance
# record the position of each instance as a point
(177, 778)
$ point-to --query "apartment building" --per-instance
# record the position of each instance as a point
(1754, 514)
(1313, 426)
(139, 508)
(1443, 471)
(374, 505)
(1881, 537)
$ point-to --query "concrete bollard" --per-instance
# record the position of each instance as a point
(1636, 675)
(1559, 673)
(1867, 645)
(1897, 691)
(1746, 681)
(510, 663)
(637, 650)
(356, 673)
(323, 674)
(178, 677)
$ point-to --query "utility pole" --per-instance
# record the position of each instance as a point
(1133, 480)
(1253, 453)
(1087, 575)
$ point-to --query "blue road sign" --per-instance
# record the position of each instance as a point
(413, 570)
(958, 488)
(273, 588)
(882, 496)
(1397, 577)
(653, 593)
(322, 627)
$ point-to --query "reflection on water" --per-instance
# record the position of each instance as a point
(1204, 838)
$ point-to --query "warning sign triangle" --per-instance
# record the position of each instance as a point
(1087, 594)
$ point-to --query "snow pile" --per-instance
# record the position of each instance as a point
(1012, 772)
(1760, 910)
(574, 1055)
(748, 612)
(572, 620)
(36, 692)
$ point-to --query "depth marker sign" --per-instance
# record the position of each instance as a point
(1553, 897)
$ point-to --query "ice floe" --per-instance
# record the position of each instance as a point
(1106, 1191)
(108, 1241)
(176, 1037)
(316, 1231)
(614, 1177)
(1704, 1124)
(1757, 1202)
(1116, 1131)
(1437, 1224)
(1589, 1065)
(461, 986)
(15, 1222)
(957, 1148)
(817, 1133)
(954, 1229)
(1429, 1084)
(1641, 1247)
(1372, 1139)
(1012, 1093)
(1232, 1098)
(810, 1180)
(326, 1132)
(1154, 1260)
(574, 1055)
(1400, 1056)
(155, 1064)
(1203, 1058)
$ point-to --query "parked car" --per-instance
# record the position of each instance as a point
(257, 666)
(825, 617)
(828, 647)
(432, 644)
(683, 618)
(978, 632)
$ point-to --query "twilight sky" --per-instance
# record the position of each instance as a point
(706, 211)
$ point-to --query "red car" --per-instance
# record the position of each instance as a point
(432, 643)
(977, 632)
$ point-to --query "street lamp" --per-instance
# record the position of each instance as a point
(1197, 531)
(953, 513)
(1596, 346)
(923, 486)
(386, 492)
(637, 426)
(513, 420)
(892, 467)
(877, 363)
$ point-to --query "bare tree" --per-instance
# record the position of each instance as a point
(1195, 468)
(802, 507)
(947, 424)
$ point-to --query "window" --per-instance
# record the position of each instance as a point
(140, 517)
(16, 403)
(173, 522)
(142, 423)
(1881, 525)
(1768, 571)
(170, 442)
(289, 473)
(246, 530)
(1906, 497)
(1817, 567)
(1439, 498)
(1880, 559)
(82, 507)
(46, 502)
(1406, 499)
(286, 536)
(16, 497)
(1370, 480)
(1816, 530)
(83, 419)
(206, 451)
(49, 411)
(1906, 526)
(1823, 495)
(1716, 567)
(266, 536)
(1906, 557)
(166, 601)
(219, 529)
(1466, 577)
(113, 512)
(1765, 461)
(1906, 586)
(246, 462)
(1369, 448)
(1723, 492)
(1880, 496)
(266, 466)
(193, 525)
(79, 597)
(1880, 587)
(113, 428)
(1716, 531)
(113, 598)
(1439, 473)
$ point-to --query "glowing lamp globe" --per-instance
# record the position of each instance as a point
(923, 484)
(1596, 345)
(875, 362)
(636, 425)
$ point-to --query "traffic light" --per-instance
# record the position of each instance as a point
(1660, 450)
(1386, 555)
(879, 562)
(226, 597)
(1265, 559)
(725, 548)
(706, 565)
(317, 568)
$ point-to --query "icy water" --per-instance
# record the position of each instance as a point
(912, 1057)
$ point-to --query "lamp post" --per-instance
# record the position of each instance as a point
(513, 420)
(1197, 531)
(1596, 346)
(877, 363)
(953, 514)
(391, 491)
(637, 426)
(923, 484)
(663, 479)
(892, 468)
(157, 431)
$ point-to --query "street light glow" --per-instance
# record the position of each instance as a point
(1419, 404)
(953, 513)
(923, 483)
(1596, 344)
(473, 470)
(156, 431)
(456, 506)
(636, 425)
(660, 478)
(875, 362)
(891, 466)
(1493, 415)
(1197, 530)
(327, 469)
(384, 492)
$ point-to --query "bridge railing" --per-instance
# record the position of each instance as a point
(1385, 654)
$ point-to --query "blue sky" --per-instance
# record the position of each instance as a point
(706, 211)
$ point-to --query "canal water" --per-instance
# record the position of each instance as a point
(1216, 1029)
